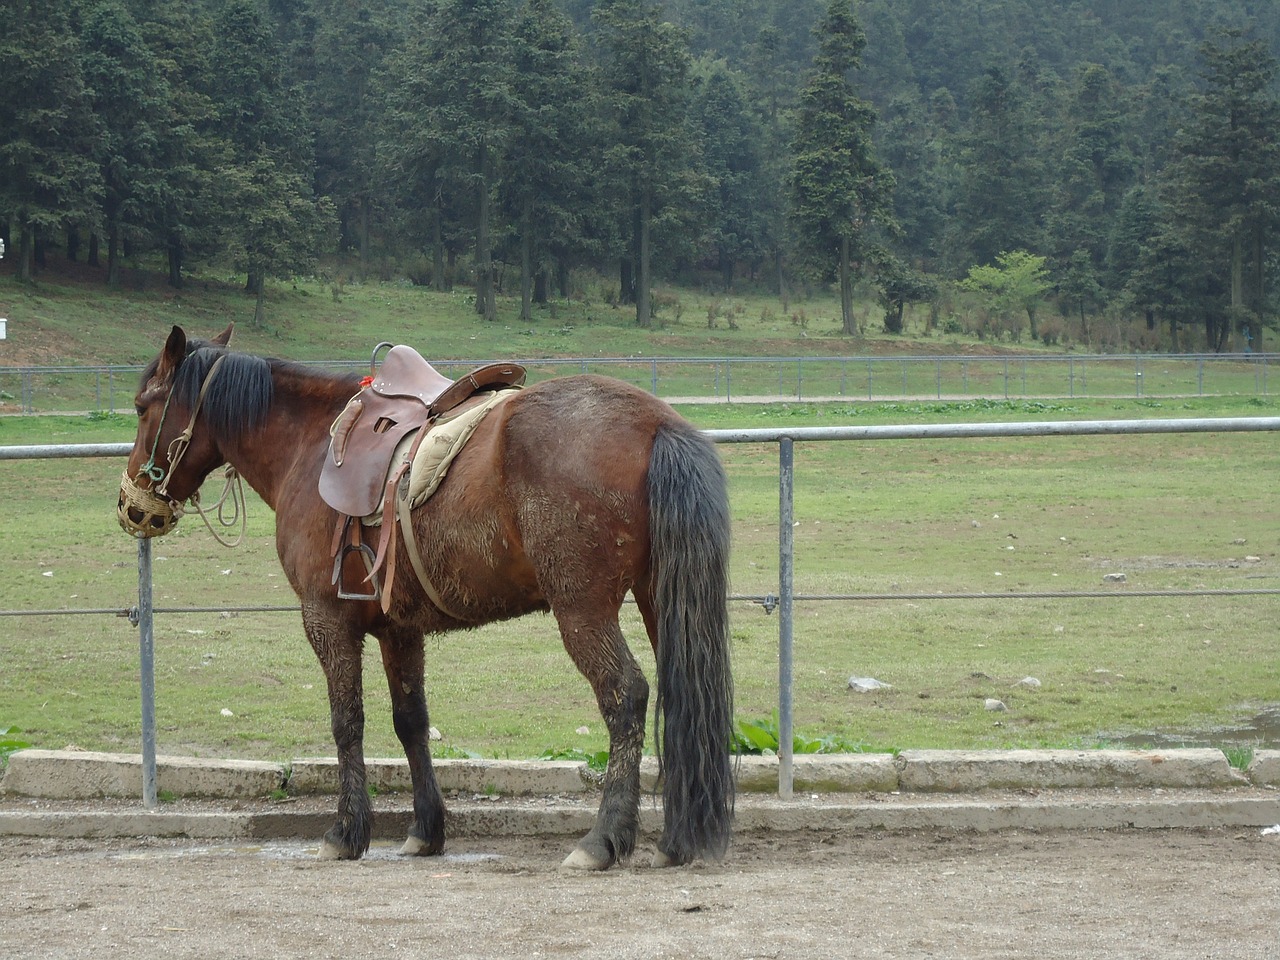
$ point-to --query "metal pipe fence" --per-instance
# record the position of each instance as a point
(143, 614)
(108, 388)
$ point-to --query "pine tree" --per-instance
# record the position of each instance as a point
(653, 159)
(48, 132)
(547, 185)
(841, 194)
(346, 53)
(731, 158)
(131, 100)
(1002, 191)
(1224, 185)
(276, 223)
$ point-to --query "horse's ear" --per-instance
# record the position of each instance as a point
(175, 349)
(224, 337)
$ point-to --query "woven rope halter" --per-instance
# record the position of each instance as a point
(160, 512)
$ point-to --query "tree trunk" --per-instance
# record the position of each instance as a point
(1237, 295)
(175, 263)
(113, 254)
(526, 260)
(626, 281)
(846, 290)
(93, 250)
(783, 294)
(26, 252)
(260, 306)
(1259, 289)
(437, 253)
(73, 245)
(363, 238)
(485, 304)
(644, 310)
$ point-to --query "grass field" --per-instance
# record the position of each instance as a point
(996, 516)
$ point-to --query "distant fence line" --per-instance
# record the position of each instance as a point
(108, 388)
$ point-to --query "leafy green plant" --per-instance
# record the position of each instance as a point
(1239, 756)
(596, 761)
(443, 752)
(10, 743)
(761, 738)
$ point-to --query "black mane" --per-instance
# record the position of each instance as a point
(241, 392)
(239, 395)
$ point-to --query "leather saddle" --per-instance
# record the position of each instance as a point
(371, 447)
(403, 395)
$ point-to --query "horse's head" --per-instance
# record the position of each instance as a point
(170, 458)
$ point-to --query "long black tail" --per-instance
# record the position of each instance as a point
(689, 537)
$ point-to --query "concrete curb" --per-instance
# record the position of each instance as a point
(1068, 810)
(67, 794)
(78, 775)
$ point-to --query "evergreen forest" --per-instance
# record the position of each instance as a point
(1053, 161)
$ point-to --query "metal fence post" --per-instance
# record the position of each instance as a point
(786, 553)
(147, 678)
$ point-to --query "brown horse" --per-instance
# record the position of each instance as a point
(569, 495)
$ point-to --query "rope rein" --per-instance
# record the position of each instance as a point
(233, 493)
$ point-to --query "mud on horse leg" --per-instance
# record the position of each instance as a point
(402, 659)
(338, 646)
(622, 694)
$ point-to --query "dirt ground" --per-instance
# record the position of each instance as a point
(1156, 894)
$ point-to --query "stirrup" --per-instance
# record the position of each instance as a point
(367, 555)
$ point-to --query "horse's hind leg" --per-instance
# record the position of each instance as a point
(402, 660)
(622, 693)
(338, 645)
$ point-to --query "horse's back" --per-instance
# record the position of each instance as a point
(584, 429)
(549, 497)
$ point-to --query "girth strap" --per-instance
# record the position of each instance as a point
(396, 517)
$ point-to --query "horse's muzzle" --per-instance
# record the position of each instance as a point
(142, 512)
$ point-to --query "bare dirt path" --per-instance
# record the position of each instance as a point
(1156, 894)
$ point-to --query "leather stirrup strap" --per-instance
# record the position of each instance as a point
(387, 542)
(415, 558)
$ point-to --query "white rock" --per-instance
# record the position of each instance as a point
(227, 713)
(1114, 578)
(583, 731)
(434, 734)
(1028, 683)
(1271, 831)
(867, 685)
(996, 706)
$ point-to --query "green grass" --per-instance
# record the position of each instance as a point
(884, 517)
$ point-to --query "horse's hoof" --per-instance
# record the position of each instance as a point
(331, 851)
(417, 847)
(580, 861)
(663, 859)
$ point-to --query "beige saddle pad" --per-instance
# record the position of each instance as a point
(444, 441)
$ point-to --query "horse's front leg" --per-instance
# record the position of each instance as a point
(402, 660)
(338, 643)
